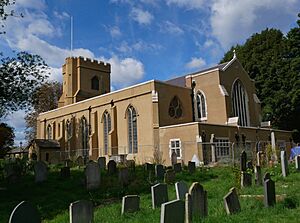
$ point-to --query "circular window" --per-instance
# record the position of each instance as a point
(175, 108)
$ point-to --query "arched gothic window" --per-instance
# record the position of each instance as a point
(132, 130)
(240, 103)
(49, 132)
(95, 83)
(106, 130)
(175, 108)
(201, 106)
(84, 137)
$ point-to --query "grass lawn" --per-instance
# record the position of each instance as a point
(54, 196)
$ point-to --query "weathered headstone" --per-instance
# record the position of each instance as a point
(181, 189)
(269, 193)
(12, 172)
(79, 161)
(188, 208)
(130, 203)
(159, 193)
(297, 162)
(24, 212)
(243, 161)
(284, 164)
(170, 176)
(199, 200)
(159, 171)
(112, 167)
(149, 167)
(191, 167)
(81, 212)
(177, 167)
(65, 172)
(246, 179)
(173, 158)
(92, 174)
(172, 211)
(231, 202)
(68, 163)
(266, 176)
(102, 162)
(250, 165)
(40, 171)
(258, 176)
(124, 176)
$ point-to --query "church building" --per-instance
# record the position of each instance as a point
(206, 116)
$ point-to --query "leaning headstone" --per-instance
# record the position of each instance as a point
(188, 208)
(124, 177)
(173, 158)
(181, 189)
(159, 171)
(79, 161)
(177, 167)
(81, 212)
(170, 176)
(102, 162)
(191, 167)
(284, 164)
(243, 161)
(130, 203)
(231, 202)
(159, 193)
(258, 176)
(112, 167)
(297, 162)
(65, 172)
(269, 193)
(40, 171)
(25, 212)
(199, 200)
(246, 179)
(92, 174)
(172, 211)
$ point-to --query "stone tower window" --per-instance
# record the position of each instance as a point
(175, 108)
(95, 83)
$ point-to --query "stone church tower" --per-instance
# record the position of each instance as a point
(82, 79)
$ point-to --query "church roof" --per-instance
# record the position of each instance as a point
(46, 143)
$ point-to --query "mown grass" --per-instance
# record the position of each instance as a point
(54, 196)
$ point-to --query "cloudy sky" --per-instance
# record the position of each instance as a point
(142, 39)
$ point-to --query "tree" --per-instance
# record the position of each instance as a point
(4, 13)
(44, 98)
(6, 138)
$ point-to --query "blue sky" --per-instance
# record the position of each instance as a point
(142, 39)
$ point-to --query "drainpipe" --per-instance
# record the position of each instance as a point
(192, 95)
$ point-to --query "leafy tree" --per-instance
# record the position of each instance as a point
(6, 138)
(5, 13)
(44, 98)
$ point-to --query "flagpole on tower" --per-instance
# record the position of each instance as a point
(71, 47)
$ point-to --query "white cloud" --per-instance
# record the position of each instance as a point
(56, 74)
(61, 16)
(208, 43)
(140, 46)
(169, 27)
(141, 16)
(115, 31)
(189, 4)
(195, 63)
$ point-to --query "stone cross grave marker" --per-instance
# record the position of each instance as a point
(112, 167)
(199, 200)
(159, 193)
(172, 211)
(191, 167)
(177, 167)
(246, 179)
(231, 202)
(243, 161)
(81, 212)
(170, 176)
(269, 193)
(297, 162)
(25, 212)
(102, 162)
(40, 171)
(92, 176)
(181, 189)
(65, 172)
(124, 176)
(130, 203)
(173, 158)
(284, 164)
(159, 171)
(258, 176)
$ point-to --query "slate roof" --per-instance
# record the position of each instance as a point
(46, 143)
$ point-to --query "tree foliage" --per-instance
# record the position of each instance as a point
(273, 61)
(5, 12)
(6, 138)
(44, 98)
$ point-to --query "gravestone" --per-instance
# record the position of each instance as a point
(40, 171)
(181, 189)
(199, 201)
(259, 158)
(269, 193)
(12, 172)
(65, 172)
(284, 164)
(79, 161)
(170, 176)
(231, 202)
(159, 193)
(172, 211)
(149, 167)
(112, 167)
(177, 167)
(159, 171)
(173, 158)
(102, 162)
(92, 176)
(243, 161)
(250, 165)
(266, 176)
(68, 163)
(130, 164)
(188, 208)
(130, 203)
(297, 162)
(24, 212)
(258, 176)
(246, 179)
(191, 167)
(124, 177)
(81, 212)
